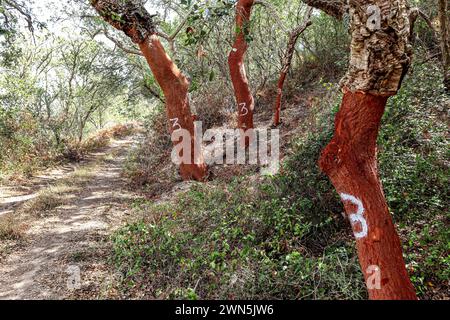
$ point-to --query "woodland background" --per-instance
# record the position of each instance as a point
(69, 83)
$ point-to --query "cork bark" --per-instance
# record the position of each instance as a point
(380, 52)
(334, 8)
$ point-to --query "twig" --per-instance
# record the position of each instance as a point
(274, 12)
(120, 44)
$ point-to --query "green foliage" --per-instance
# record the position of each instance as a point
(219, 244)
(412, 146)
(284, 237)
(427, 257)
(253, 238)
(327, 41)
(238, 240)
(53, 95)
(153, 155)
(413, 159)
(24, 147)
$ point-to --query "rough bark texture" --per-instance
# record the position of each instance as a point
(380, 57)
(244, 98)
(128, 16)
(287, 60)
(445, 48)
(350, 162)
(133, 19)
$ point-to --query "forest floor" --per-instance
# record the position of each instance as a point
(66, 216)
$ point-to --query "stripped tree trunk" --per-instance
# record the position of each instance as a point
(380, 56)
(350, 162)
(287, 60)
(239, 79)
(134, 20)
(445, 47)
(175, 87)
(277, 107)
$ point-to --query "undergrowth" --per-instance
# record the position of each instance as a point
(283, 237)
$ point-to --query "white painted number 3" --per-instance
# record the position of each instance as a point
(175, 124)
(356, 217)
(243, 108)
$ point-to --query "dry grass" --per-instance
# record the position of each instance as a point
(10, 227)
(12, 232)
(46, 201)
(123, 130)
(149, 167)
(76, 151)
(58, 194)
(80, 176)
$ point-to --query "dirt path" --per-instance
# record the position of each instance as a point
(65, 250)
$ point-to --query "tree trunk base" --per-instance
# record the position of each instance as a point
(196, 172)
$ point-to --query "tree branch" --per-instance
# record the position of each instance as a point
(154, 93)
(334, 8)
(171, 38)
(429, 23)
(120, 44)
(274, 12)
(25, 14)
(182, 24)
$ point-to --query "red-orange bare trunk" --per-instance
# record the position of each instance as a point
(380, 55)
(239, 79)
(287, 60)
(350, 161)
(138, 24)
(175, 87)
(277, 107)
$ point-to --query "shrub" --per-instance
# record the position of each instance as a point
(214, 105)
